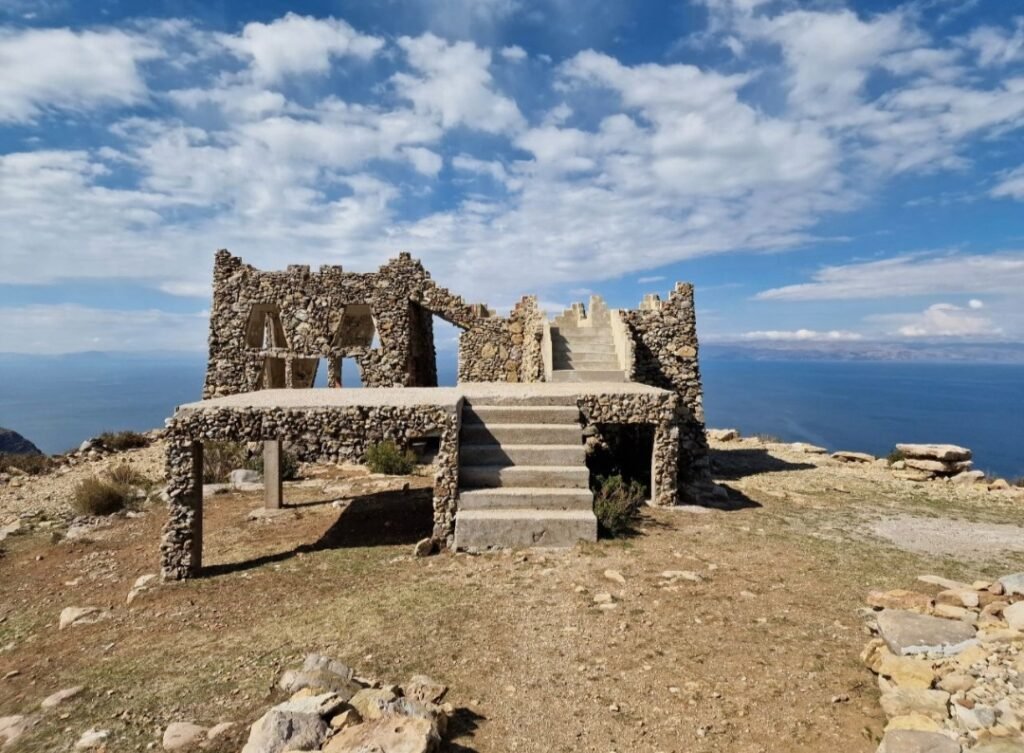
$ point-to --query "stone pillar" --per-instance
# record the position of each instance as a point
(665, 464)
(272, 482)
(446, 479)
(334, 372)
(181, 547)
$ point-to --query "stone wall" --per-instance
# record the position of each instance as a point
(335, 433)
(496, 349)
(270, 329)
(665, 354)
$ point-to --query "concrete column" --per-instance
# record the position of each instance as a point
(272, 482)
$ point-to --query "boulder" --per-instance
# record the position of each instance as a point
(967, 478)
(912, 741)
(179, 735)
(279, 731)
(92, 738)
(394, 734)
(1014, 615)
(1012, 584)
(847, 456)
(941, 452)
(907, 672)
(944, 583)
(938, 466)
(371, 702)
(917, 722)
(13, 727)
(912, 633)
(810, 449)
(933, 704)
(999, 746)
(219, 729)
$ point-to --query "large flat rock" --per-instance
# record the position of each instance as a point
(912, 741)
(912, 633)
(942, 452)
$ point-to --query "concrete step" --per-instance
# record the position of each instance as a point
(526, 498)
(482, 529)
(554, 476)
(588, 362)
(508, 400)
(521, 414)
(594, 348)
(520, 434)
(572, 375)
(521, 454)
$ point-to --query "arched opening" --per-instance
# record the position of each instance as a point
(264, 329)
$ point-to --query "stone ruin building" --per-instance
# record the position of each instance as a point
(541, 405)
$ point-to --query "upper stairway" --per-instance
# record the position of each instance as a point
(583, 347)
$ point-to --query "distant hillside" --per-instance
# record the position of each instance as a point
(12, 442)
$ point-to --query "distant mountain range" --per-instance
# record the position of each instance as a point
(921, 352)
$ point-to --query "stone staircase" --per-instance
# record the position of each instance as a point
(584, 354)
(523, 480)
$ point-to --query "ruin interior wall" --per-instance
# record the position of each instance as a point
(504, 349)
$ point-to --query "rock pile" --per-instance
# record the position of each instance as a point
(333, 710)
(923, 462)
(950, 666)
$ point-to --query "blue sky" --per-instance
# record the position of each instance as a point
(831, 171)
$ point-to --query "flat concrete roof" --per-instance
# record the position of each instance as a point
(444, 397)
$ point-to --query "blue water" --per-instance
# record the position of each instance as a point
(57, 401)
(870, 406)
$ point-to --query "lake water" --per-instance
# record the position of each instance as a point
(58, 401)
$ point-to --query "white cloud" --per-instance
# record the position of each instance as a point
(974, 303)
(455, 85)
(908, 276)
(469, 164)
(425, 161)
(46, 70)
(67, 328)
(1011, 185)
(648, 280)
(295, 44)
(940, 320)
(803, 335)
(515, 53)
(995, 46)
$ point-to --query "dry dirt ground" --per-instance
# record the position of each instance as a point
(760, 655)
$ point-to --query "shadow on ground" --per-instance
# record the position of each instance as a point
(736, 464)
(382, 519)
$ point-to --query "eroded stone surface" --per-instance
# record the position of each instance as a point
(911, 633)
(912, 741)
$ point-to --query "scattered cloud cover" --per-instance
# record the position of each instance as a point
(525, 146)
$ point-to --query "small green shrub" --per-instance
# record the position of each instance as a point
(895, 456)
(96, 496)
(123, 440)
(617, 504)
(768, 438)
(32, 464)
(385, 457)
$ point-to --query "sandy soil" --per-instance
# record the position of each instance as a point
(760, 655)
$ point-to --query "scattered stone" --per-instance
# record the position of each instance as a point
(1000, 484)
(346, 718)
(689, 575)
(371, 702)
(940, 452)
(269, 515)
(423, 688)
(912, 633)
(1014, 615)
(614, 575)
(60, 696)
(92, 738)
(956, 682)
(180, 735)
(918, 722)
(959, 597)
(723, 435)
(967, 478)
(603, 598)
(907, 672)
(390, 734)
(944, 583)
(1012, 584)
(937, 466)
(933, 704)
(425, 548)
(219, 729)
(913, 741)
(13, 727)
(70, 616)
(142, 583)
(900, 599)
(846, 456)
(999, 746)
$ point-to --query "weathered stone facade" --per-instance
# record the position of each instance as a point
(270, 329)
(495, 349)
(665, 354)
(337, 433)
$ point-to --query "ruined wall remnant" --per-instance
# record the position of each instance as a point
(496, 349)
(272, 329)
(665, 353)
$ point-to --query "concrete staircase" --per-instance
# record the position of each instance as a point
(523, 480)
(584, 354)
